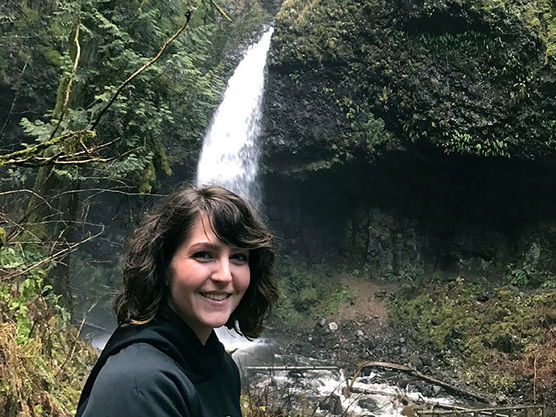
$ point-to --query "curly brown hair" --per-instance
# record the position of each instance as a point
(154, 243)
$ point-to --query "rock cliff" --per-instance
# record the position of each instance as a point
(403, 137)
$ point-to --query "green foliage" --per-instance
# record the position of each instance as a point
(306, 293)
(500, 331)
(533, 267)
(163, 112)
(538, 15)
(368, 137)
(465, 143)
(21, 295)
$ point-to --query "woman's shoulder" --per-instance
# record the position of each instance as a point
(141, 377)
(137, 359)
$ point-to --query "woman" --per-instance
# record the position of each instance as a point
(201, 260)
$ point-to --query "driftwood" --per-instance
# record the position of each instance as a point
(415, 407)
(417, 374)
(356, 390)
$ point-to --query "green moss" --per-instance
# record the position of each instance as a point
(538, 15)
(148, 178)
(500, 331)
(470, 77)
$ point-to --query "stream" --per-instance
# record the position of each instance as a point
(285, 380)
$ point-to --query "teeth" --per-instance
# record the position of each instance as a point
(215, 297)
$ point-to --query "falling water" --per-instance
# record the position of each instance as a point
(230, 156)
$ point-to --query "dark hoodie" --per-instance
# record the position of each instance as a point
(161, 369)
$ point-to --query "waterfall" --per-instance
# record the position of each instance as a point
(230, 155)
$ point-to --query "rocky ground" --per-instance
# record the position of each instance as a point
(360, 332)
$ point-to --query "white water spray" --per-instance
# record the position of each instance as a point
(230, 156)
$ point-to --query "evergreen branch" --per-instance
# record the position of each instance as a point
(25, 155)
(221, 11)
(144, 67)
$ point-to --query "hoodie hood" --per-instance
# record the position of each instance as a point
(169, 334)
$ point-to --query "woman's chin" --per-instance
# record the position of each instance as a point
(215, 322)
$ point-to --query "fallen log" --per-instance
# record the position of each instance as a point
(292, 368)
(406, 369)
(357, 390)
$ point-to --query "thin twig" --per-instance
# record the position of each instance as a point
(18, 7)
(188, 14)
(74, 345)
(26, 190)
(71, 247)
(86, 161)
(75, 64)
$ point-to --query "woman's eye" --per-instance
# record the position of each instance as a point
(202, 256)
(241, 258)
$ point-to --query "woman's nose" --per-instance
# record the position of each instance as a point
(222, 272)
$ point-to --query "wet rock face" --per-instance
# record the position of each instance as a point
(400, 219)
(409, 137)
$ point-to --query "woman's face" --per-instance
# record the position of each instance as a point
(207, 279)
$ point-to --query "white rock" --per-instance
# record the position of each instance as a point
(333, 326)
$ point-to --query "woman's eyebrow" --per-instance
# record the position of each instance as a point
(214, 246)
(204, 245)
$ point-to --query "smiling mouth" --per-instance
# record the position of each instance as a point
(215, 296)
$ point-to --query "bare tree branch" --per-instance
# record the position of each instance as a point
(27, 154)
(188, 14)
(64, 108)
(221, 11)
(60, 254)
